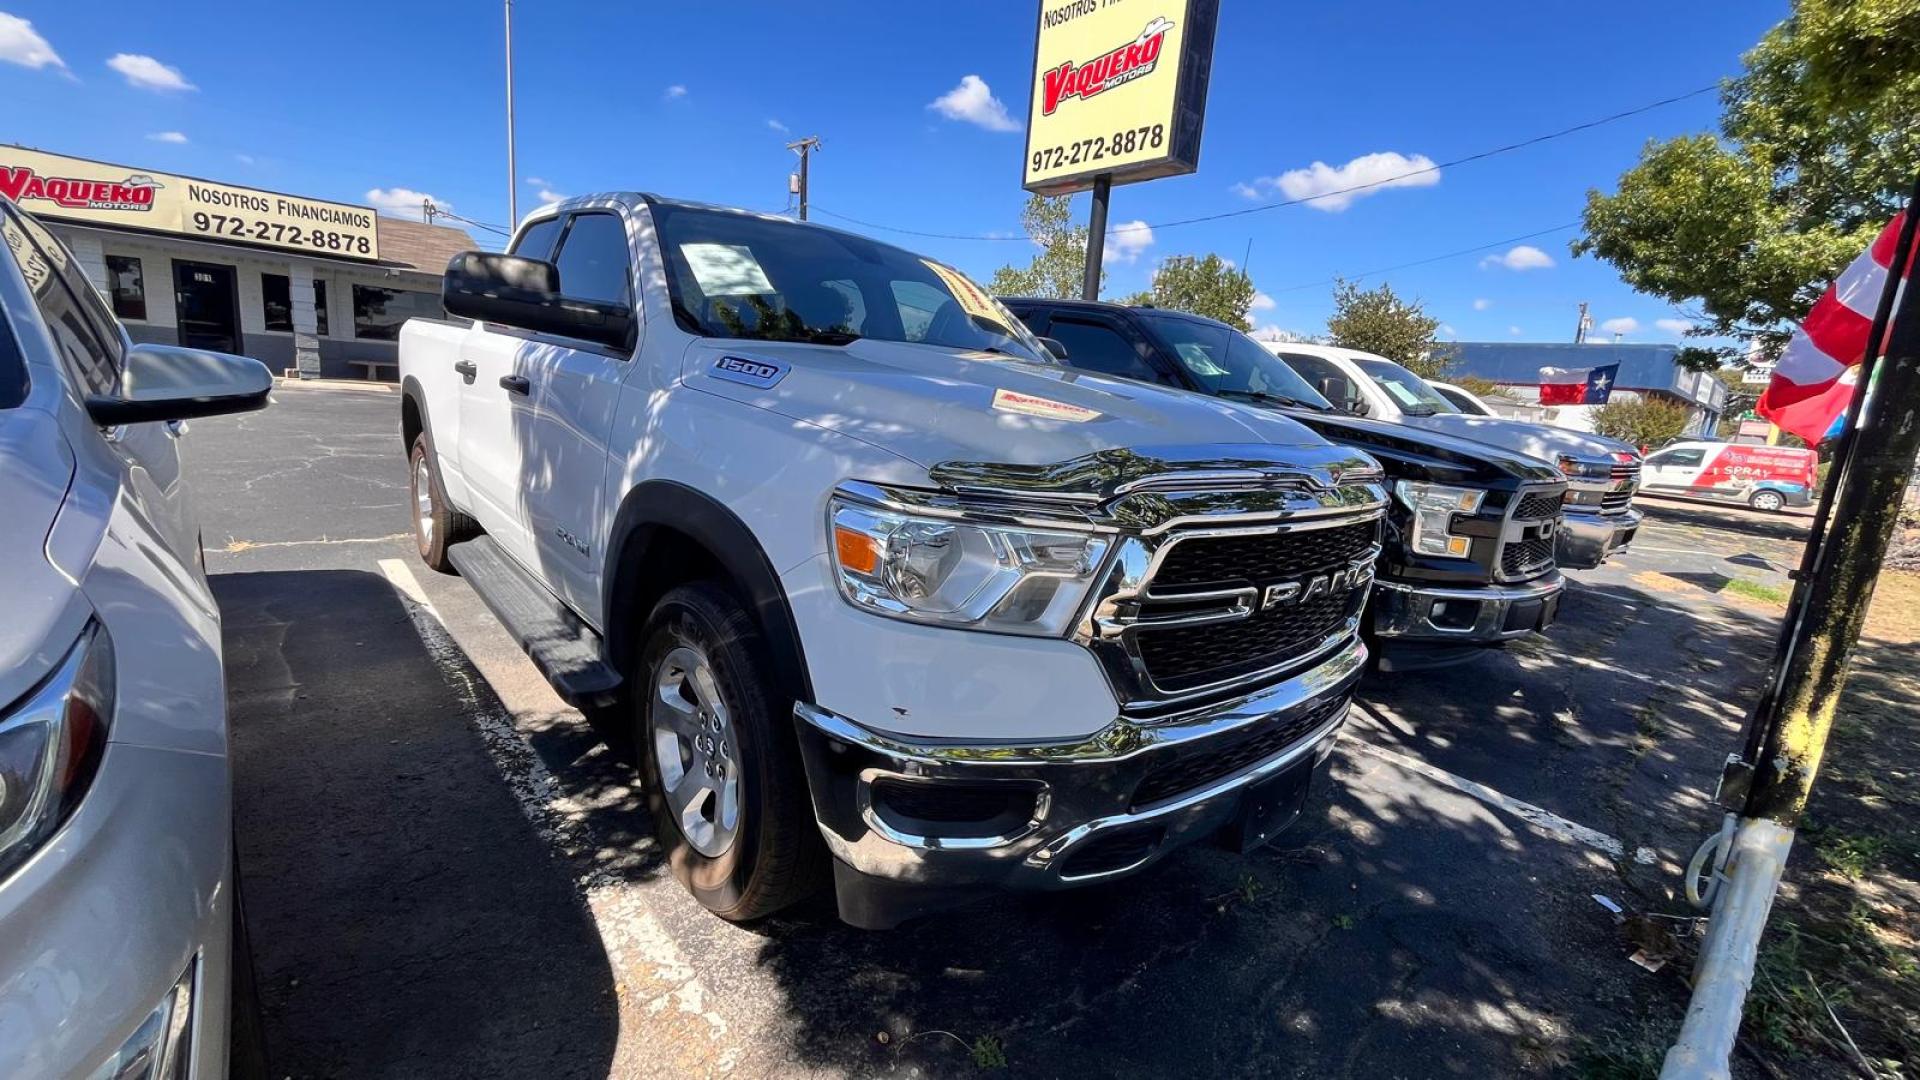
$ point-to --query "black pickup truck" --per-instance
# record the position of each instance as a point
(1468, 562)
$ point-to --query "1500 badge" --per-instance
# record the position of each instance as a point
(739, 369)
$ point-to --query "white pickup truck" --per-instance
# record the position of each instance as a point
(1602, 474)
(879, 588)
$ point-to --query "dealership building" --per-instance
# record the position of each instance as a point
(312, 288)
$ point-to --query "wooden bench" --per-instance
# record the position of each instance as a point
(372, 368)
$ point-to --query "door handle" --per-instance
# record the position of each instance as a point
(517, 384)
(466, 369)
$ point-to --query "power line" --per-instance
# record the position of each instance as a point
(441, 211)
(1423, 262)
(1262, 208)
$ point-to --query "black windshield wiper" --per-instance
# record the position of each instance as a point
(1264, 398)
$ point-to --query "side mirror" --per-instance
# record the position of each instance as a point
(525, 294)
(1055, 348)
(166, 382)
(1358, 406)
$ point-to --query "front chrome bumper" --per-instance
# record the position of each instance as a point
(1484, 615)
(1587, 539)
(1069, 814)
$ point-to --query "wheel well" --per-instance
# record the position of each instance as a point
(410, 423)
(655, 559)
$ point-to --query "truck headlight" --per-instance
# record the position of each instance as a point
(1434, 506)
(50, 747)
(1585, 470)
(954, 572)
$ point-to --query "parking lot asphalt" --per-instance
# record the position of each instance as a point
(448, 873)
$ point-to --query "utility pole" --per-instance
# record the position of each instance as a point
(427, 210)
(1585, 324)
(1771, 779)
(513, 171)
(1097, 237)
(805, 148)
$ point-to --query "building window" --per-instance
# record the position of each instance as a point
(127, 286)
(378, 313)
(276, 296)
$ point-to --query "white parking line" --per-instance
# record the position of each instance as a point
(1545, 820)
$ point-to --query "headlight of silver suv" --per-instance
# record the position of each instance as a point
(955, 572)
(1434, 506)
(51, 742)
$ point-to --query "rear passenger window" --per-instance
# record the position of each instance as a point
(1097, 347)
(593, 260)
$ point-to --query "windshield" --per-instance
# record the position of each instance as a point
(1231, 364)
(1409, 391)
(736, 276)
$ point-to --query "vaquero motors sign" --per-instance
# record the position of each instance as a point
(92, 192)
(1119, 89)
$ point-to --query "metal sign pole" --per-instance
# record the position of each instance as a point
(1790, 727)
(1096, 237)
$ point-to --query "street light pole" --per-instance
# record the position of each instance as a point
(513, 171)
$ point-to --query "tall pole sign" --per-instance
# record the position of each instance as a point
(1119, 94)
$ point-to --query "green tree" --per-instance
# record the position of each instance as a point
(1209, 286)
(1059, 268)
(1380, 322)
(1817, 146)
(1642, 421)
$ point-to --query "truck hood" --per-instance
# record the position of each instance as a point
(45, 610)
(931, 404)
(1535, 440)
(1418, 454)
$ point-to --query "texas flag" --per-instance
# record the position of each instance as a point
(1577, 386)
(1814, 381)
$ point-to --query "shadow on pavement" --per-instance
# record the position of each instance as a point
(406, 918)
(1794, 526)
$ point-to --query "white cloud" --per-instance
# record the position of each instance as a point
(168, 137)
(534, 181)
(778, 126)
(1515, 331)
(1334, 188)
(1676, 327)
(1126, 241)
(1245, 190)
(1524, 257)
(1621, 325)
(21, 44)
(403, 202)
(1270, 332)
(973, 102)
(547, 197)
(1447, 330)
(1482, 304)
(674, 92)
(1261, 302)
(244, 159)
(146, 73)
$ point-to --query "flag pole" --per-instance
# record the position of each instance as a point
(1787, 734)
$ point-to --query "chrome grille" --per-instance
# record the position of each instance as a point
(1615, 502)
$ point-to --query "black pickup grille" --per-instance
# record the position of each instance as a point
(1234, 755)
(1237, 560)
(1538, 505)
(1185, 657)
(1522, 558)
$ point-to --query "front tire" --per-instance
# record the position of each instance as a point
(722, 770)
(436, 524)
(1768, 502)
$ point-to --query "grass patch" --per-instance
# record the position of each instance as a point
(988, 1053)
(1615, 1056)
(1850, 856)
(1755, 590)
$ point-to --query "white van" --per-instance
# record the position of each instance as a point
(1764, 477)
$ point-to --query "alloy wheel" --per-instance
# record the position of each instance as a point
(694, 751)
(423, 502)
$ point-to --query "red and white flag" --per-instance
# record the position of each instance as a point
(1814, 381)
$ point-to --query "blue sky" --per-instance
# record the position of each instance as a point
(348, 99)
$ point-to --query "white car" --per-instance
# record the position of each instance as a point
(889, 597)
(116, 860)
